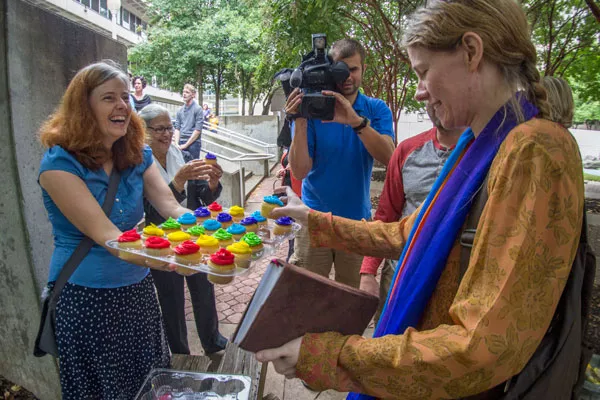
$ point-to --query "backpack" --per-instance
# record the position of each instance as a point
(557, 368)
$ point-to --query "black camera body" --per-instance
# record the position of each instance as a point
(317, 72)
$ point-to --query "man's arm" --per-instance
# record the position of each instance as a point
(381, 147)
(299, 158)
(177, 126)
(195, 135)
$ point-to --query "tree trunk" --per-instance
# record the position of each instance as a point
(199, 84)
(594, 8)
(267, 102)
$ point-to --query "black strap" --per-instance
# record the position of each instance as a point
(86, 244)
(468, 234)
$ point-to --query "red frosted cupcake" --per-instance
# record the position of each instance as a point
(222, 261)
(187, 253)
(157, 247)
(215, 208)
(129, 240)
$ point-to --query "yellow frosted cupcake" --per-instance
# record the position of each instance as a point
(130, 240)
(208, 244)
(269, 203)
(152, 230)
(187, 253)
(222, 261)
(178, 237)
(254, 241)
(242, 254)
(170, 226)
(224, 237)
(237, 213)
(195, 232)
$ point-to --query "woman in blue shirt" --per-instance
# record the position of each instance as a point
(109, 329)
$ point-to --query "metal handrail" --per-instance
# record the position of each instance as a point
(241, 157)
(239, 137)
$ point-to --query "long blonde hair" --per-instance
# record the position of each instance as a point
(503, 28)
(560, 98)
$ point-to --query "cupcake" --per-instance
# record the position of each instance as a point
(250, 224)
(178, 237)
(195, 231)
(224, 237)
(208, 244)
(187, 220)
(237, 213)
(211, 226)
(152, 230)
(260, 220)
(222, 262)
(201, 214)
(283, 226)
(130, 240)
(241, 253)
(225, 219)
(237, 231)
(214, 208)
(210, 159)
(157, 247)
(254, 241)
(187, 253)
(269, 203)
(170, 225)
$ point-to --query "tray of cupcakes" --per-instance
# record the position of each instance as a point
(221, 243)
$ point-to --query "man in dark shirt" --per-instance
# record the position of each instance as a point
(188, 124)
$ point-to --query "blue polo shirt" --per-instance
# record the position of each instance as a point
(340, 178)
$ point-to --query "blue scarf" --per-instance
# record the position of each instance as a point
(439, 222)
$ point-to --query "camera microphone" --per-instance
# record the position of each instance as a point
(296, 78)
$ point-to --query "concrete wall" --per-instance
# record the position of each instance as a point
(261, 127)
(39, 55)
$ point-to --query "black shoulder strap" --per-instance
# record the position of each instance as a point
(467, 236)
(86, 244)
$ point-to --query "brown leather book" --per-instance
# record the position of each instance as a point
(290, 301)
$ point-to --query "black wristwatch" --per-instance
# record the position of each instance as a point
(361, 126)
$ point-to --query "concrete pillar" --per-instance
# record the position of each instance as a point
(39, 54)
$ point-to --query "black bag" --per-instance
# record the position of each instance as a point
(557, 368)
(45, 342)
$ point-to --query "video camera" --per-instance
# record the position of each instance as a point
(317, 72)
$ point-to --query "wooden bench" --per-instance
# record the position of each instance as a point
(235, 361)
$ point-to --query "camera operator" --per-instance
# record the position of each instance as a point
(335, 160)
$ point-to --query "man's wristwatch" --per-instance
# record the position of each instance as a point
(365, 122)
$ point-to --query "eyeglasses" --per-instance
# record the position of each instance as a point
(162, 129)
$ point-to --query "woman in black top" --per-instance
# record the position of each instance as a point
(140, 100)
(194, 184)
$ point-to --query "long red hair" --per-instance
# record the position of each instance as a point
(73, 125)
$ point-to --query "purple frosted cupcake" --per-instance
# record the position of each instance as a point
(250, 224)
(225, 219)
(283, 226)
(201, 214)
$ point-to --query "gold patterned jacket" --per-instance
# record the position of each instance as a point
(477, 333)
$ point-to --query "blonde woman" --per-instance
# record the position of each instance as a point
(441, 335)
(560, 98)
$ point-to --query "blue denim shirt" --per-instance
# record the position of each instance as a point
(99, 269)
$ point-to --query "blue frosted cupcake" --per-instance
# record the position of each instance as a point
(250, 224)
(260, 220)
(202, 214)
(269, 203)
(237, 231)
(187, 220)
(211, 226)
(225, 219)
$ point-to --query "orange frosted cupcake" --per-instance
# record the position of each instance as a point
(214, 208)
(222, 261)
(269, 204)
(187, 253)
(208, 244)
(178, 237)
(242, 254)
(237, 213)
(130, 240)
(157, 247)
(152, 230)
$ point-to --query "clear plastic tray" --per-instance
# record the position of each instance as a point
(167, 384)
(270, 243)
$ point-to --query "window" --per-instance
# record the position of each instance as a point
(96, 5)
(125, 18)
(104, 10)
(85, 2)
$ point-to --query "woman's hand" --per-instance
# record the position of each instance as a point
(294, 207)
(284, 358)
(197, 170)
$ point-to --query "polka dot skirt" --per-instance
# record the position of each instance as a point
(108, 340)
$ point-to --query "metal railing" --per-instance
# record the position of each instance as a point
(240, 157)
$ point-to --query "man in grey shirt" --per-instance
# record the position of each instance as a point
(188, 124)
